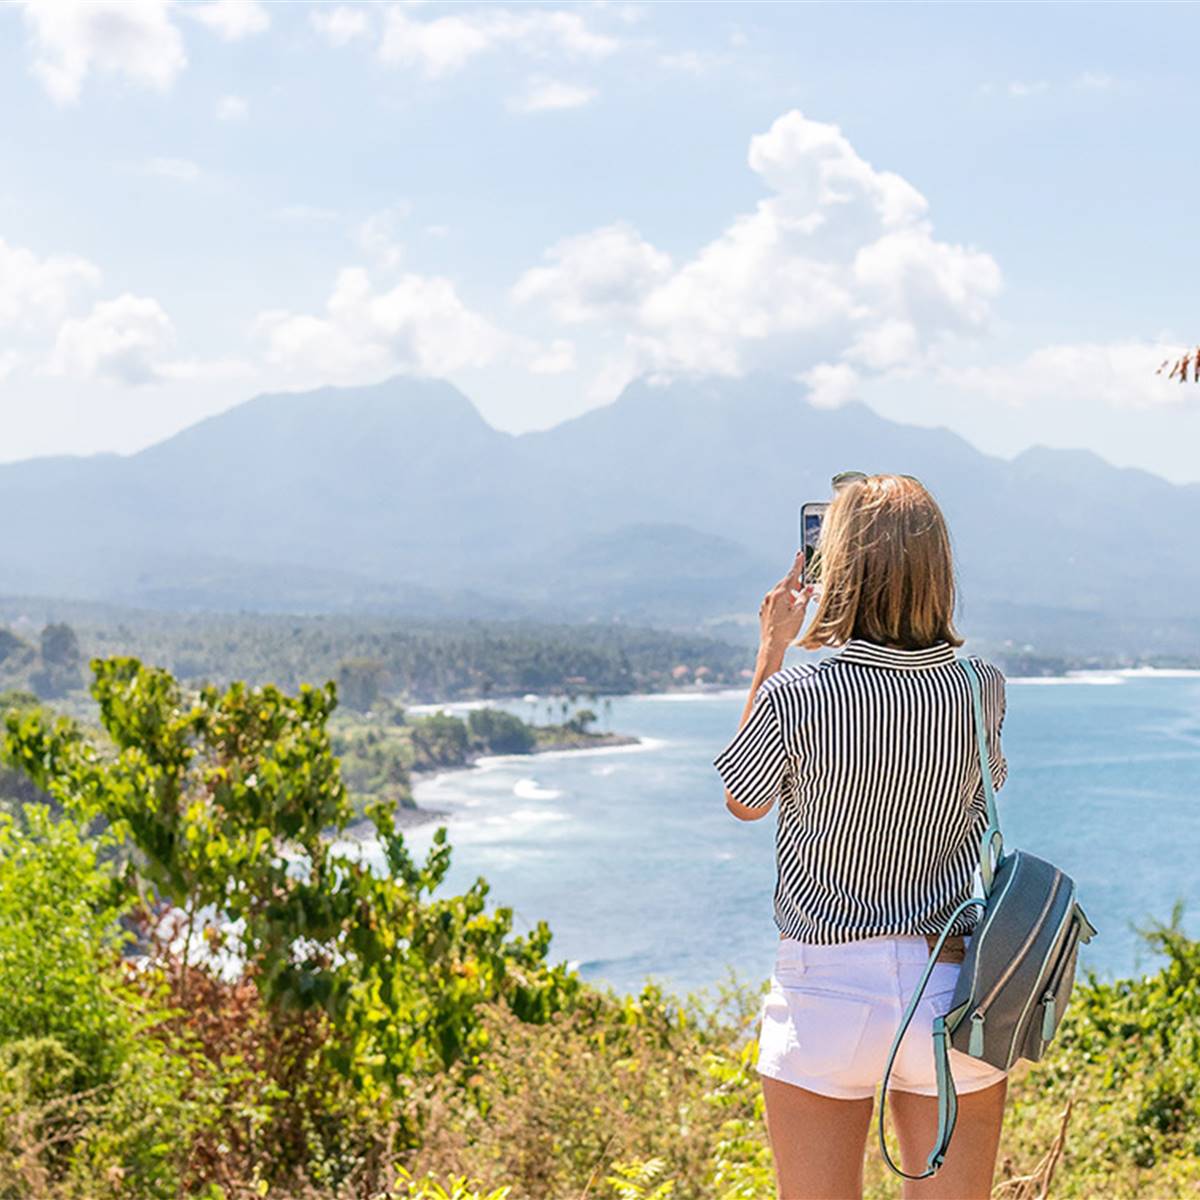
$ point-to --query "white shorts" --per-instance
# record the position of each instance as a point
(828, 1021)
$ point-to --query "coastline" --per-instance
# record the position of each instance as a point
(411, 818)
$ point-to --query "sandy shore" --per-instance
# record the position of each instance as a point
(409, 818)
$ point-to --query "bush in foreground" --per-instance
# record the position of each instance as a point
(301, 1027)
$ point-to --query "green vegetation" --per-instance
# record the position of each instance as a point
(411, 661)
(204, 993)
(381, 750)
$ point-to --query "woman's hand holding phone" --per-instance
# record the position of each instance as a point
(781, 614)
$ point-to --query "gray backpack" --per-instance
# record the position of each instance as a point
(1018, 970)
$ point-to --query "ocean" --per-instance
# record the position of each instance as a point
(631, 857)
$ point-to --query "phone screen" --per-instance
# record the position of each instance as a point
(811, 518)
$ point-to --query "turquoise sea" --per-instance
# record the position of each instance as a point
(631, 857)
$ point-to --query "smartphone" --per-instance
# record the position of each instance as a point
(811, 517)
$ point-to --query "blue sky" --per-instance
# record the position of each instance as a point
(980, 216)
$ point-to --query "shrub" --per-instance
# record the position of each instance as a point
(500, 732)
(93, 1088)
(227, 810)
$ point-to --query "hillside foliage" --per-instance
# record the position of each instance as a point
(206, 990)
(410, 661)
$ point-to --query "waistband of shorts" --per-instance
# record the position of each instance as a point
(908, 948)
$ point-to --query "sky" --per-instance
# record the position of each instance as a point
(977, 216)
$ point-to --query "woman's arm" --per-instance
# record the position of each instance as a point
(781, 616)
(770, 659)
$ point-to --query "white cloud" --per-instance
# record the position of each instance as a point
(182, 170)
(340, 25)
(630, 14)
(442, 45)
(830, 385)
(1020, 88)
(1115, 374)
(232, 108)
(834, 273)
(50, 325)
(379, 236)
(555, 359)
(420, 325)
(218, 370)
(231, 19)
(690, 62)
(36, 293)
(126, 339)
(134, 39)
(602, 275)
(544, 95)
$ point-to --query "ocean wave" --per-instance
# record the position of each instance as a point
(715, 694)
(530, 789)
(1107, 676)
(643, 743)
(1160, 672)
(529, 816)
(1092, 678)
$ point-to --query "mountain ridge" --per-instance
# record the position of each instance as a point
(674, 503)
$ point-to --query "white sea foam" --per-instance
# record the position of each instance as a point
(1108, 676)
(715, 694)
(491, 761)
(448, 706)
(529, 816)
(1092, 678)
(1160, 673)
(530, 789)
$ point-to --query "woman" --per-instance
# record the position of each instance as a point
(870, 757)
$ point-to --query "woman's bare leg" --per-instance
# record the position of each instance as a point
(971, 1159)
(817, 1142)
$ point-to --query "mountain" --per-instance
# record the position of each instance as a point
(674, 504)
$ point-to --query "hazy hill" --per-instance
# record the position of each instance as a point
(673, 504)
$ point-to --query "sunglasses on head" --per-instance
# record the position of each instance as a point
(842, 478)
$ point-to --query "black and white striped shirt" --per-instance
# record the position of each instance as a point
(871, 755)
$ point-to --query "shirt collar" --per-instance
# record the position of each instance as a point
(872, 654)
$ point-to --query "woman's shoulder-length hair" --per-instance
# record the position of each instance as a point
(886, 568)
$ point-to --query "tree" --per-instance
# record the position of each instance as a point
(501, 732)
(227, 806)
(12, 648)
(61, 663)
(581, 720)
(60, 647)
(441, 739)
(360, 681)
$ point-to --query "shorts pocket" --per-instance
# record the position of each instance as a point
(811, 1033)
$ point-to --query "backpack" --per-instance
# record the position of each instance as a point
(1019, 967)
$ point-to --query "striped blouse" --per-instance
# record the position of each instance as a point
(871, 755)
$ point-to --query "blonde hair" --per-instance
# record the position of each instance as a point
(887, 573)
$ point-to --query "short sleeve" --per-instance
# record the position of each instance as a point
(994, 706)
(754, 763)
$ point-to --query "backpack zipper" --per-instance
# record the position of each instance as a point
(1049, 998)
(975, 1042)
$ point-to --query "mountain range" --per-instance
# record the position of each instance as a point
(674, 505)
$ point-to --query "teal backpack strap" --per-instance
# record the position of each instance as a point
(946, 1095)
(991, 846)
